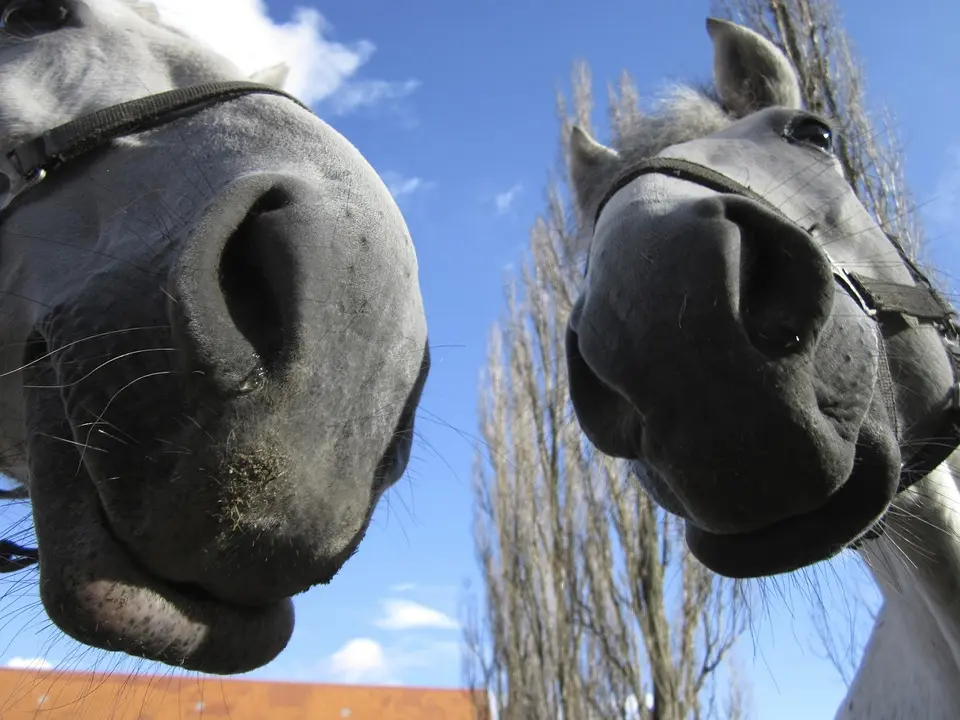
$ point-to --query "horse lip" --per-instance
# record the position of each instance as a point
(111, 601)
(190, 590)
(813, 536)
(96, 592)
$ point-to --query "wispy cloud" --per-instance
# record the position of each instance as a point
(503, 201)
(943, 211)
(22, 663)
(321, 69)
(419, 589)
(399, 614)
(367, 93)
(402, 186)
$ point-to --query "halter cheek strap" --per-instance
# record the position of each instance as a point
(879, 299)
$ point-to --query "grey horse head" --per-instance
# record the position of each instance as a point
(213, 344)
(711, 345)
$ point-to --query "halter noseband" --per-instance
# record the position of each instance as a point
(879, 299)
(31, 162)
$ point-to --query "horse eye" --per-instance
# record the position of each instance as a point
(811, 131)
(32, 17)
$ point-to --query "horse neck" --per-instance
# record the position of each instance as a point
(911, 665)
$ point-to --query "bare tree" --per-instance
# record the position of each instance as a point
(593, 607)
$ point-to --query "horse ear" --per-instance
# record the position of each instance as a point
(275, 76)
(590, 163)
(147, 10)
(750, 72)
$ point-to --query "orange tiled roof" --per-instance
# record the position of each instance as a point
(54, 695)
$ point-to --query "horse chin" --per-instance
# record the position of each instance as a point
(813, 536)
(95, 591)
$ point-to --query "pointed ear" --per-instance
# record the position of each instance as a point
(147, 10)
(750, 72)
(590, 164)
(275, 76)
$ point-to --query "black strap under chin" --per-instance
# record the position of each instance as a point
(878, 298)
(77, 137)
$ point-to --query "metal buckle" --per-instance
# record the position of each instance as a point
(852, 288)
(16, 182)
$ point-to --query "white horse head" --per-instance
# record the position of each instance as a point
(213, 341)
(776, 368)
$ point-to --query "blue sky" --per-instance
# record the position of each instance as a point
(453, 102)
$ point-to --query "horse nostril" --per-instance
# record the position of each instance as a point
(253, 294)
(773, 289)
(235, 293)
(775, 341)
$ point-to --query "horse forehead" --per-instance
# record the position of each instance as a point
(93, 65)
(800, 182)
(805, 185)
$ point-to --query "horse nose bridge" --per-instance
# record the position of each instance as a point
(750, 270)
(676, 292)
(234, 292)
(667, 363)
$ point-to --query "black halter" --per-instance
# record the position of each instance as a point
(879, 299)
(30, 162)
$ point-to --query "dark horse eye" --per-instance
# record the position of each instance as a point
(31, 17)
(811, 131)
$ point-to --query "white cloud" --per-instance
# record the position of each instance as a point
(403, 587)
(400, 185)
(504, 200)
(407, 615)
(21, 663)
(366, 661)
(320, 69)
(361, 660)
(367, 93)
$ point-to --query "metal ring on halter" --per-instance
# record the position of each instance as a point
(17, 182)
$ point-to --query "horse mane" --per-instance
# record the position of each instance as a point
(681, 113)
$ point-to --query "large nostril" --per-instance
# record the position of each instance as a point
(251, 291)
(769, 319)
(786, 286)
(234, 295)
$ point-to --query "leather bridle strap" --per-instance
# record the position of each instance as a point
(879, 299)
(30, 162)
